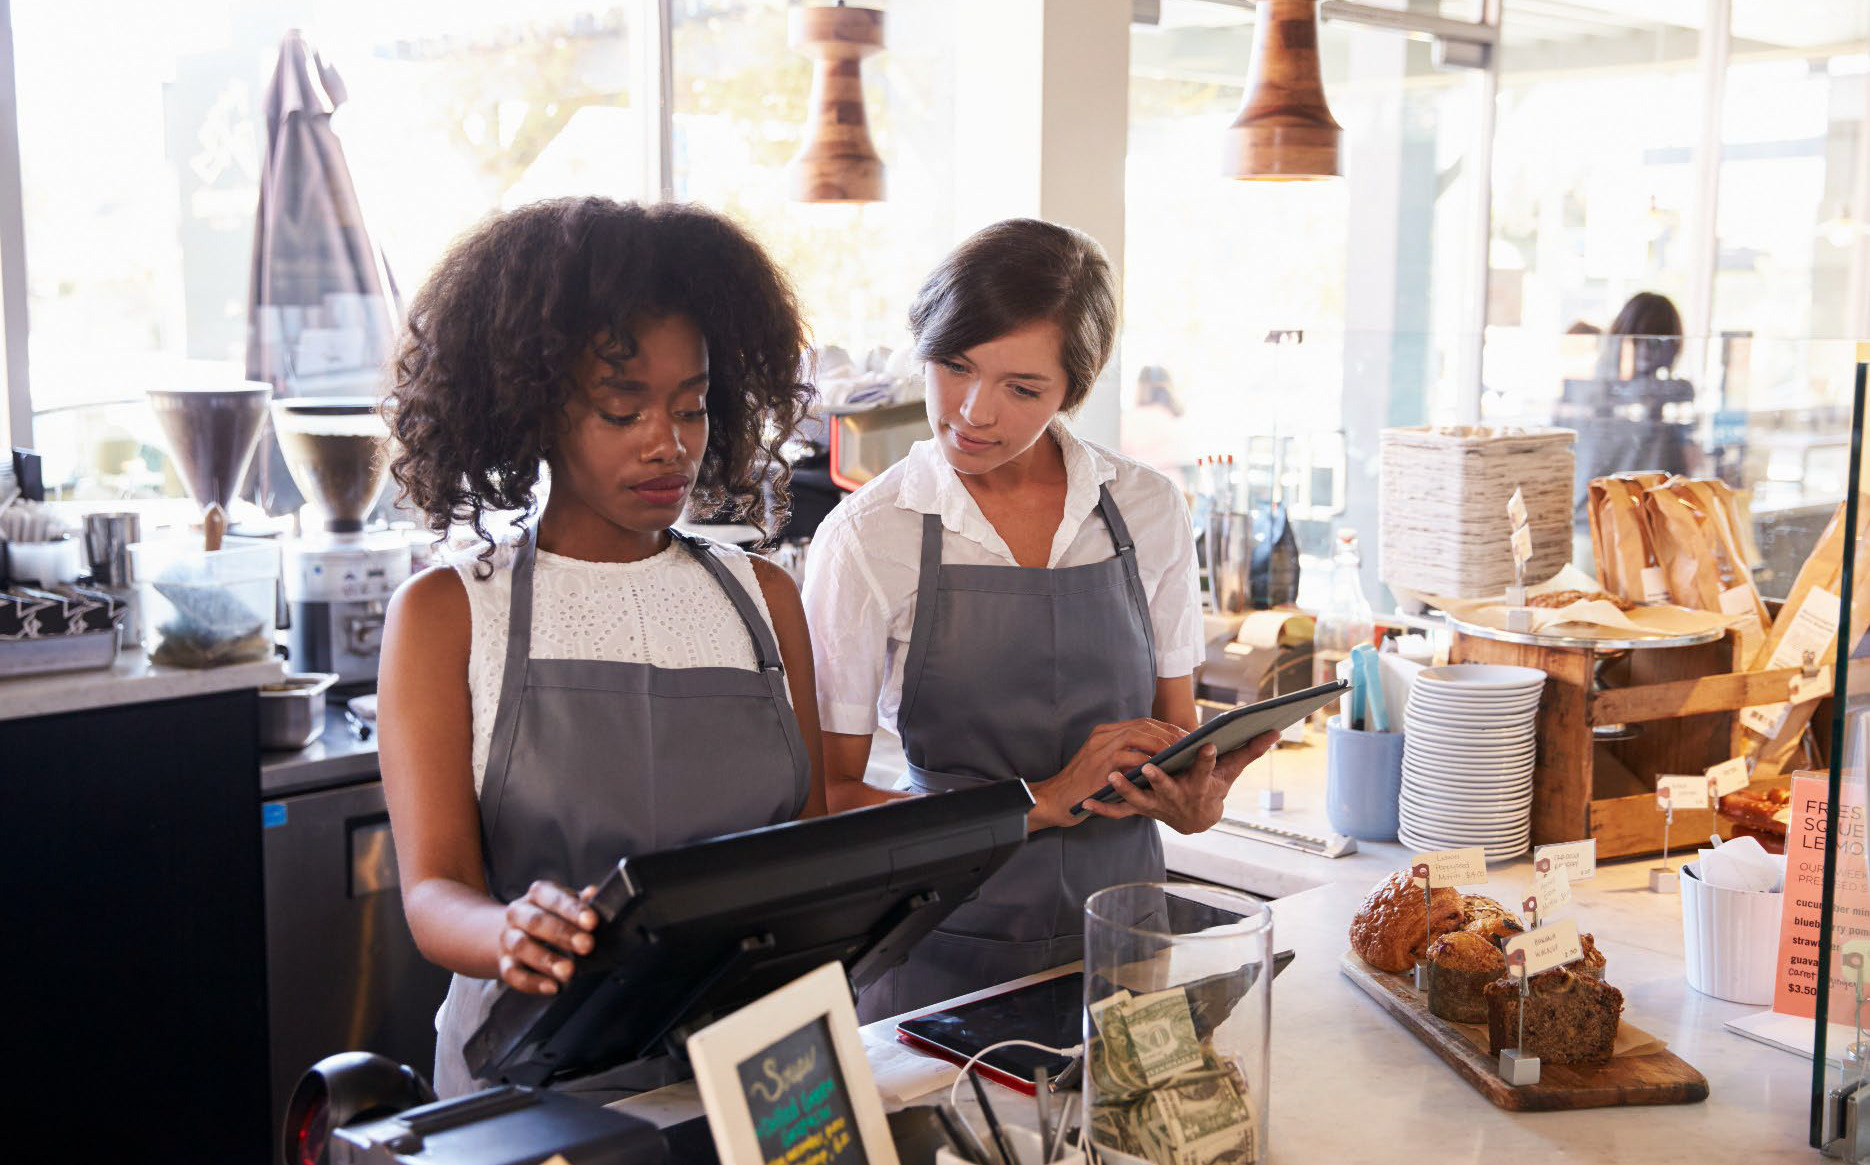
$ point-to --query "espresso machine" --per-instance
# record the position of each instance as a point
(338, 577)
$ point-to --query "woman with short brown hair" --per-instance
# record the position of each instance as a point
(1021, 604)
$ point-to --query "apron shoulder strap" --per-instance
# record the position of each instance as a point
(765, 647)
(518, 623)
(1126, 554)
(512, 688)
(928, 586)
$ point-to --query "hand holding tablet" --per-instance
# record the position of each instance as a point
(1228, 731)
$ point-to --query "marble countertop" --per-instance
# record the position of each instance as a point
(132, 679)
(1350, 1083)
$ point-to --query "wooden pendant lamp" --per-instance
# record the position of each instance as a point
(1284, 131)
(837, 163)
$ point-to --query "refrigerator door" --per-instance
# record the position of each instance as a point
(343, 973)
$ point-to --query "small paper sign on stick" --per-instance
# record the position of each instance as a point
(1545, 947)
(1522, 545)
(1450, 867)
(1551, 889)
(1577, 858)
(1516, 508)
(1682, 792)
(1729, 776)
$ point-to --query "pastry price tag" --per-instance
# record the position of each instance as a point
(1516, 508)
(1812, 687)
(1678, 792)
(1551, 891)
(1450, 867)
(1728, 776)
(1577, 858)
(1522, 545)
(1545, 947)
(1655, 585)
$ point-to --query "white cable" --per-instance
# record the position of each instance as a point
(954, 1090)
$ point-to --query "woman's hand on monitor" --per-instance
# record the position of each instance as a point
(545, 931)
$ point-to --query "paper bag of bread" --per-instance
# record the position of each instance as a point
(1620, 538)
(1699, 549)
(1807, 626)
(1715, 500)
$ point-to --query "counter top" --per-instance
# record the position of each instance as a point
(132, 679)
(1349, 1083)
(336, 757)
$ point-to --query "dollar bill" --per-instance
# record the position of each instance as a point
(1231, 1146)
(1193, 1110)
(1116, 1069)
(1162, 1034)
(1111, 1126)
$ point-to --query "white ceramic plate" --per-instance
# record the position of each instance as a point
(1467, 771)
(1492, 676)
(1456, 748)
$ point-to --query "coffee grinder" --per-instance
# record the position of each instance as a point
(338, 578)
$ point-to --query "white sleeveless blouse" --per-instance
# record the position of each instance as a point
(665, 610)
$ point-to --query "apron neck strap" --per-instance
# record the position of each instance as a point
(765, 647)
(1119, 532)
(519, 608)
(1126, 554)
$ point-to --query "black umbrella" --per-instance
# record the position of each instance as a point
(323, 309)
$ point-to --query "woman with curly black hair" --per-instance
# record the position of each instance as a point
(602, 684)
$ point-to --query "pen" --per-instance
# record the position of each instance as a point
(963, 1145)
(993, 1122)
(1042, 1100)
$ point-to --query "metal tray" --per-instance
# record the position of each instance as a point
(57, 653)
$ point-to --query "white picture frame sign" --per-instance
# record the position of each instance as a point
(795, 1057)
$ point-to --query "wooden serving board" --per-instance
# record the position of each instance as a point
(1660, 1078)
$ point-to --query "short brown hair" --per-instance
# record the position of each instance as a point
(1014, 273)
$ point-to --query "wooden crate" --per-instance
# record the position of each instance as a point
(1686, 699)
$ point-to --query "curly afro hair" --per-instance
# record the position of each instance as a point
(486, 364)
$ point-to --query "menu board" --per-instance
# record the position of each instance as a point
(1796, 992)
(800, 1107)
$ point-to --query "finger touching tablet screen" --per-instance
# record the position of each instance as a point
(1228, 731)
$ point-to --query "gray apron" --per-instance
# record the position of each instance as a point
(593, 760)
(1009, 670)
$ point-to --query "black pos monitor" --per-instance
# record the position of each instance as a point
(687, 935)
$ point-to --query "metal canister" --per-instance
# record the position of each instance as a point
(107, 539)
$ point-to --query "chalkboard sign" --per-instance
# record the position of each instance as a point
(786, 1081)
(800, 1107)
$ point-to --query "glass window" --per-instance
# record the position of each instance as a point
(1285, 324)
(1595, 180)
(740, 111)
(141, 139)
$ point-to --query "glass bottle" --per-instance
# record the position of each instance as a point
(1345, 620)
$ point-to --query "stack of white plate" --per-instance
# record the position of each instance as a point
(1468, 750)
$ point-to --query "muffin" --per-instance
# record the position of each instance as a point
(1393, 927)
(1489, 918)
(1460, 965)
(1570, 1018)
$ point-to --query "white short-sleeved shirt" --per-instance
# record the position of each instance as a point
(865, 562)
